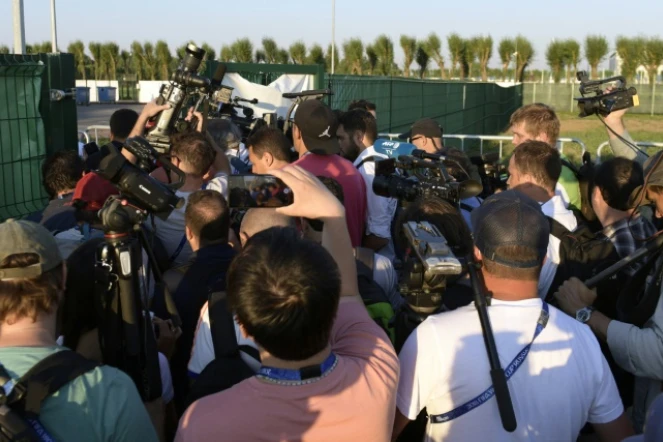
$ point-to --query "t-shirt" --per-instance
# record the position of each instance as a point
(203, 346)
(381, 210)
(563, 382)
(171, 231)
(57, 216)
(355, 401)
(569, 188)
(100, 405)
(555, 209)
(354, 188)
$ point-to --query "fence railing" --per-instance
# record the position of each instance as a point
(494, 138)
(644, 144)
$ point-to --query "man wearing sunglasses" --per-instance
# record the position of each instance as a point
(426, 134)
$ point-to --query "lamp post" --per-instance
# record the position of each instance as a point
(54, 31)
(333, 42)
(19, 27)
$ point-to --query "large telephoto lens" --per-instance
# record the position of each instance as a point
(192, 59)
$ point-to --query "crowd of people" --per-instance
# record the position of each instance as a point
(288, 313)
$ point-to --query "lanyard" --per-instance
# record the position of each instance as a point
(509, 371)
(279, 375)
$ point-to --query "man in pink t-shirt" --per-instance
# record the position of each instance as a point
(314, 139)
(329, 372)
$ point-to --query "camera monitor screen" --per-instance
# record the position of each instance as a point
(251, 191)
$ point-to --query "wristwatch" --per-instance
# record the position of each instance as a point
(584, 314)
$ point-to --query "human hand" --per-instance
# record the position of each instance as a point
(168, 335)
(573, 295)
(152, 109)
(199, 119)
(312, 199)
(615, 116)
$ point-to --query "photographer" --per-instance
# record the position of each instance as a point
(444, 365)
(426, 134)
(329, 372)
(637, 350)
(99, 405)
(534, 169)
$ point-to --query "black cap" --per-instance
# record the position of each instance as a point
(511, 218)
(318, 125)
(426, 127)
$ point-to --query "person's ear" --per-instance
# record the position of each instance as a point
(267, 159)
(243, 238)
(188, 233)
(296, 133)
(477, 254)
(358, 138)
(242, 330)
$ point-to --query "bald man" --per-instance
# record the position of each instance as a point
(257, 220)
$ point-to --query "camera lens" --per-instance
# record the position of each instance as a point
(194, 55)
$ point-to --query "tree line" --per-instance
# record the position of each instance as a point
(465, 57)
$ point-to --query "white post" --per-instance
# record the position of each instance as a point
(333, 43)
(653, 96)
(19, 28)
(54, 31)
(534, 94)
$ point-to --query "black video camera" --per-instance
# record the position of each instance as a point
(184, 85)
(602, 103)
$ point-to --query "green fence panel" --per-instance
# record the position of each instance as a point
(32, 126)
(262, 73)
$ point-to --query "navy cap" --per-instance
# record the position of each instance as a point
(511, 218)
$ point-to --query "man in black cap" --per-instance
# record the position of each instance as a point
(314, 139)
(547, 355)
(426, 134)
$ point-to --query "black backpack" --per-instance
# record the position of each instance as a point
(583, 255)
(228, 368)
(19, 411)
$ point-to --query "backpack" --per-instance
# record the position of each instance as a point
(19, 411)
(375, 299)
(228, 368)
(583, 255)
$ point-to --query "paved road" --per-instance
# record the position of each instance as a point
(100, 113)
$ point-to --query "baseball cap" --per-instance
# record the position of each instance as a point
(426, 127)
(18, 236)
(653, 170)
(318, 125)
(511, 218)
(93, 190)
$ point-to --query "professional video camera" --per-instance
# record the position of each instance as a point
(125, 334)
(185, 84)
(428, 176)
(602, 103)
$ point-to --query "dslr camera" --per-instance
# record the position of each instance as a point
(595, 101)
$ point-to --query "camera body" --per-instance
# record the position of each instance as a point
(602, 103)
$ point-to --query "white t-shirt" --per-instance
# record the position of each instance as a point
(555, 208)
(171, 231)
(385, 276)
(381, 210)
(203, 347)
(563, 383)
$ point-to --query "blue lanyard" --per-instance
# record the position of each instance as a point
(509, 371)
(314, 371)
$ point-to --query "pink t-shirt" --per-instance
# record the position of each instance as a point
(356, 401)
(354, 188)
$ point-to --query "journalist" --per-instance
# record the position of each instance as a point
(444, 365)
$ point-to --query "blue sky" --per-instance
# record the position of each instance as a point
(222, 21)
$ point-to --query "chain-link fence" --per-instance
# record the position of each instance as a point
(561, 97)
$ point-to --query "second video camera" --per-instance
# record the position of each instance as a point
(601, 102)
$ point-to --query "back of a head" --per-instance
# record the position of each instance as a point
(31, 274)
(362, 104)
(257, 220)
(616, 179)
(539, 160)
(285, 292)
(225, 133)
(538, 119)
(61, 171)
(442, 215)
(207, 216)
(195, 151)
(512, 235)
(122, 122)
(270, 140)
(360, 120)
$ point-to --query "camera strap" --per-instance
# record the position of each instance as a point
(509, 371)
(179, 248)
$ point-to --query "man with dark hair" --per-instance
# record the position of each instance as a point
(268, 149)
(534, 169)
(207, 220)
(364, 105)
(329, 372)
(314, 139)
(60, 173)
(443, 362)
(122, 123)
(205, 167)
(359, 131)
(426, 134)
(538, 122)
(100, 405)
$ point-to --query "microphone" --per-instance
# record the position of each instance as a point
(219, 73)
(418, 153)
(393, 149)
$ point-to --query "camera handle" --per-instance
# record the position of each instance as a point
(502, 394)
